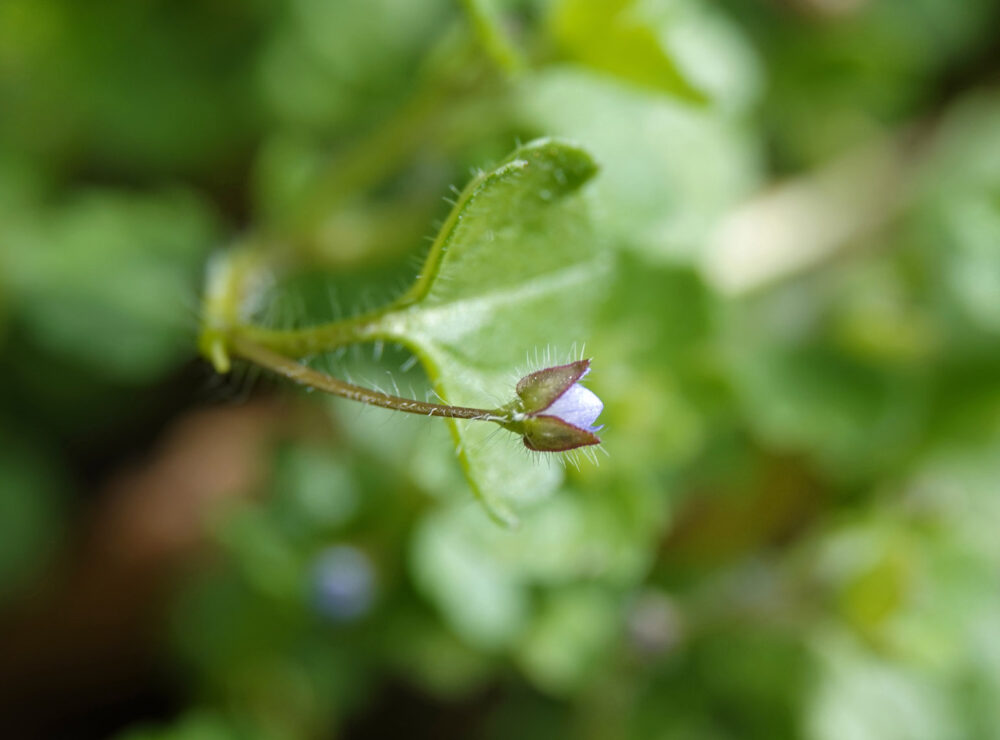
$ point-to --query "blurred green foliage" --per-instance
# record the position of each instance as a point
(794, 532)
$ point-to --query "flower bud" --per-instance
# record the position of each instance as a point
(554, 412)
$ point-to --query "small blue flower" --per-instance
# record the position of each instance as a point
(555, 412)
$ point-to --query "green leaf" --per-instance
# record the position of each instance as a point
(612, 35)
(103, 279)
(669, 170)
(482, 599)
(686, 49)
(955, 218)
(514, 272)
(800, 391)
(480, 577)
(562, 650)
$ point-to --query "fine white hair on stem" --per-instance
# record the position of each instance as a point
(392, 379)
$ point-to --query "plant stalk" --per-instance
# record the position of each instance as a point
(306, 376)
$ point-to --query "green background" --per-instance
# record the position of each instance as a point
(793, 318)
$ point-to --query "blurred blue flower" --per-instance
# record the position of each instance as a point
(343, 583)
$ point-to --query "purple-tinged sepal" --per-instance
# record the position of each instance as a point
(540, 389)
(552, 434)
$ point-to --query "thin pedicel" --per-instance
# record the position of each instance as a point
(553, 411)
(310, 378)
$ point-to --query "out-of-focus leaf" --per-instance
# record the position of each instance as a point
(307, 80)
(681, 47)
(183, 102)
(561, 650)
(653, 388)
(751, 682)
(482, 600)
(863, 697)
(314, 490)
(800, 393)
(434, 656)
(109, 280)
(835, 84)
(955, 217)
(668, 170)
(480, 575)
(612, 35)
(268, 560)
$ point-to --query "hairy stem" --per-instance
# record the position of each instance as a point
(308, 377)
(314, 339)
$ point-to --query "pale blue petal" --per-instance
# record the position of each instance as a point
(577, 406)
